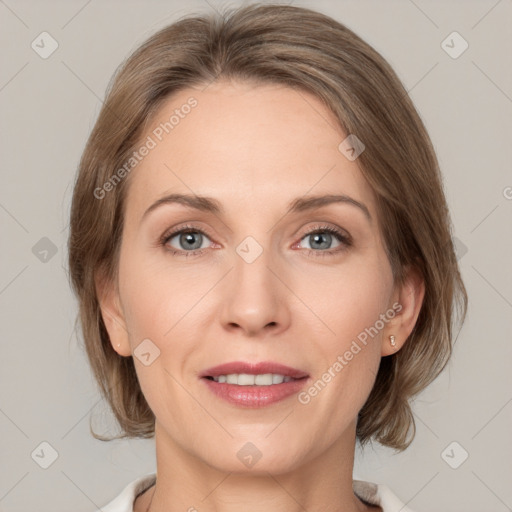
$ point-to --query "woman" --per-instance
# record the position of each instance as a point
(261, 249)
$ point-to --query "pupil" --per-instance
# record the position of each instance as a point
(322, 239)
(188, 239)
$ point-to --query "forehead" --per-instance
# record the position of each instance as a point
(245, 145)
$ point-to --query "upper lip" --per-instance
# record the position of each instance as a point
(253, 369)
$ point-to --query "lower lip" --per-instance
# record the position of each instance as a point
(255, 396)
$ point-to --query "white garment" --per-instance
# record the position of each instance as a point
(372, 494)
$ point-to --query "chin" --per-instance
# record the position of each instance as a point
(261, 467)
(258, 457)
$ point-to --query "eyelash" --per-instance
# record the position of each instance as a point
(345, 240)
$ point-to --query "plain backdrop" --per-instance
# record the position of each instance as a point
(48, 107)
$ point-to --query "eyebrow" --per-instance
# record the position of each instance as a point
(300, 204)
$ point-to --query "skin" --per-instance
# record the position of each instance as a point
(254, 148)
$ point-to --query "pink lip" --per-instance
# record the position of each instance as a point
(253, 369)
(254, 396)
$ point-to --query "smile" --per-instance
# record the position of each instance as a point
(253, 385)
(246, 379)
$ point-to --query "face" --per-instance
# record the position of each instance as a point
(265, 277)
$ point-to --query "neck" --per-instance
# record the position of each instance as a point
(186, 482)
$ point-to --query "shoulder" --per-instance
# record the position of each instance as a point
(379, 494)
(124, 501)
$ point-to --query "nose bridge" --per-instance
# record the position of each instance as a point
(256, 298)
(252, 279)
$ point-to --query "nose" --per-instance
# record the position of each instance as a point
(256, 301)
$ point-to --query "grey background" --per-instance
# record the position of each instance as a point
(48, 107)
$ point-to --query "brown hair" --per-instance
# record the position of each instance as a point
(308, 51)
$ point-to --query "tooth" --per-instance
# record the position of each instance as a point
(264, 380)
(244, 379)
(232, 378)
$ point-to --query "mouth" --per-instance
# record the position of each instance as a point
(246, 379)
(253, 385)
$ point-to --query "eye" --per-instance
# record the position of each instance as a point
(322, 238)
(190, 241)
(186, 240)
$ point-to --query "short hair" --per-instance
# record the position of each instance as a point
(311, 52)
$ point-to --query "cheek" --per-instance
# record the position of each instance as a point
(155, 296)
(348, 299)
(351, 309)
(347, 355)
(155, 305)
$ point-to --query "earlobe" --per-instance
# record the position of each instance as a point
(112, 314)
(410, 298)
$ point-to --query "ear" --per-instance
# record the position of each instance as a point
(112, 313)
(407, 301)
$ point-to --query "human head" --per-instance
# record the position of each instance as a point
(309, 52)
